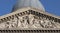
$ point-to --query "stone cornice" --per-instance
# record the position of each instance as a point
(26, 9)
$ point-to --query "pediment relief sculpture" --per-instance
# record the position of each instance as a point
(29, 21)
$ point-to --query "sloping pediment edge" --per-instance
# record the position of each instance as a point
(32, 11)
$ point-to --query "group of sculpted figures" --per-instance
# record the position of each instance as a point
(28, 21)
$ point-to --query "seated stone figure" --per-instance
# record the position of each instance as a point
(22, 22)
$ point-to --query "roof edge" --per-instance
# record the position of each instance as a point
(28, 8)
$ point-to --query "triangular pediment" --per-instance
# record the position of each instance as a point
(29, 18)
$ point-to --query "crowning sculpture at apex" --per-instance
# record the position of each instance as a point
(29, 14)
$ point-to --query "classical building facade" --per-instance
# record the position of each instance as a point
(29, 15)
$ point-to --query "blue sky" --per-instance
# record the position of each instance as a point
(51, 6)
